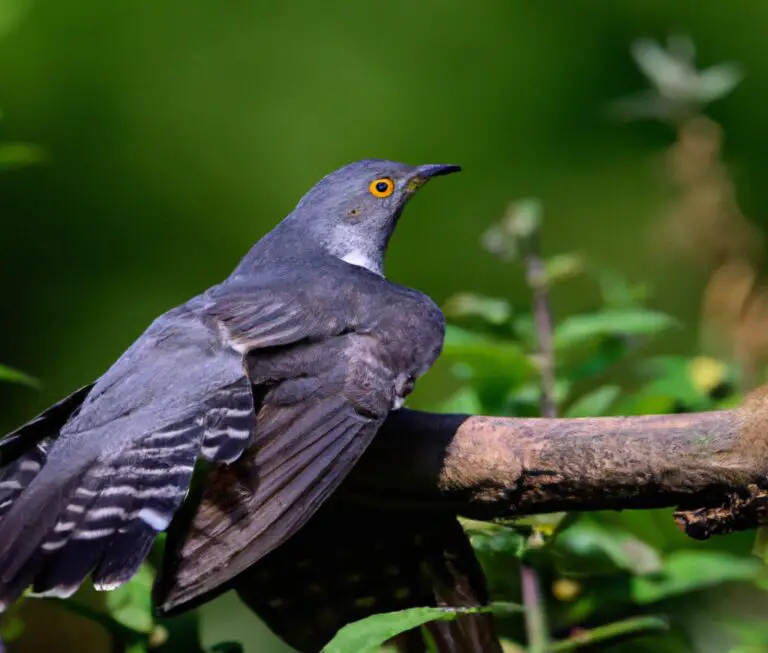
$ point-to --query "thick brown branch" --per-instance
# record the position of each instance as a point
(713, 466)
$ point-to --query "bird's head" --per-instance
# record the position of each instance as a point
(353, 211)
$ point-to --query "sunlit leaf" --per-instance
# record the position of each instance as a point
(495, 538)
(562, 267)
(707, 373)
(370, 633)
(491, 309)
(580, 329)
(14, 376)
(11, 12)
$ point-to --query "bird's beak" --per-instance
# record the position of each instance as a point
(423, 174)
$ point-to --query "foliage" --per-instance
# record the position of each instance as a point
(369, 634)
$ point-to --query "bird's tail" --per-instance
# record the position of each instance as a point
(350, 562)
(24, 452)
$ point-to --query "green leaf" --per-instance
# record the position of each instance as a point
(632, 627)
(594, 403)
(530, 394)
(581, 329)
(606, 353)
(645, 404)
(599, 549)
(487, 537)
(689, 571)
(18, 155)
(227, 647)
(493, 365)
(617, 292)
(137, 645)
(11, 12)
(131, 604)
(562, 267)
(370, 633)
(491, 309)
(14, 376)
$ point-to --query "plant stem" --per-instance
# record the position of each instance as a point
(535, 615)
(536, 277)
(631, 627)
(542, 313)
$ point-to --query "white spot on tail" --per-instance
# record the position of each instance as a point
(108, 587)
(53, 545)
(156, 520)
(61, 592)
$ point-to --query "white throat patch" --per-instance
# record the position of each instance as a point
(356, 257)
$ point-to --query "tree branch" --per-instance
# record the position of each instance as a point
(712, 466)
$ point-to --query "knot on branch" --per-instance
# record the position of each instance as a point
(740, 510)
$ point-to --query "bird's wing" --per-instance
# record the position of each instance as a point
(100, 515)
(122, 466)
(353, 561)
(311, 430)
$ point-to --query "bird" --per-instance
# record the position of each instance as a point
(291, 363)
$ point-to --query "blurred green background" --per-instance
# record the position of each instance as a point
(177, 133)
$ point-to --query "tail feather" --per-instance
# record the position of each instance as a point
(350, 562)
(24, 451)
(96, 522)
(21, 472)
(98, 512)
(46, 425)
(62, 573)
(122, 559)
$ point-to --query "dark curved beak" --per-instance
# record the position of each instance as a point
(422, 174)
(436, 170)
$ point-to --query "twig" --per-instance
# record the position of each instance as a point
(621, 629)
(536, 276)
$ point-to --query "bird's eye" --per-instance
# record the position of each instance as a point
(383, 187)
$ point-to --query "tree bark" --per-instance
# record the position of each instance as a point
(712, 466)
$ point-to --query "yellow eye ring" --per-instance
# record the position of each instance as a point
(383, 187)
